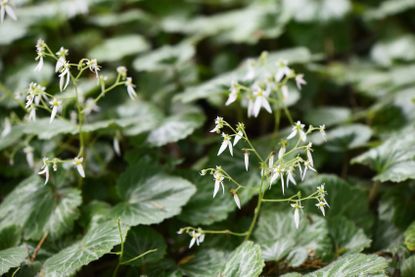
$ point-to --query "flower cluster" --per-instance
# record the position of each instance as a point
(39, 97)
(257, 91)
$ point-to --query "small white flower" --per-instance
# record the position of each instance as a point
(238, 137)
(298, 128)
(5, 8)
(321, 206)
(7, 128)
(297, 207)
(309, 155)
(45, 170)
(277, 173)
(197, 237)
(122, 71)
(285, 93)
(40, 50)
(233, 95)
(91, 106)
(271, 161)
(61, 58)
(56, 105)
(283, 70)
(307, 166)
(246, 160)
(218, 125)
(130, 88)
(94, 67)
(32, 114)
(261, 100)
(322, 130)
(226, 144)
(64, 76)
(281, 152)
(251, 105)
(299, 81)
(236, 199)
(29, 156)
(116, 146)
(77, 162)
(290, 177)
(218, 177)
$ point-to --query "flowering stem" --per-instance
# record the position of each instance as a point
(251, 146)
(256, 213)
(139, 256)
(292, 198)
(226, 232)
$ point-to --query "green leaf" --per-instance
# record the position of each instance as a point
(410, 237)
(175, 128)
(11, 31)
(353, 265)
(166, 57)
(10, 236)
(408, 267)
(345, 137)
(12, 257)
(344, 199)
(246, 260)
(45, 130)
(15, 134)
(111, 19)
(116, 48)
(40, 208)
(317, 10)
(150, 196)
(394, 159)
(141, 239)
(389, 8)
(205, 263)
(387, 52)
(347, 237)
(280, 240)
(328, 116)
(98, 241)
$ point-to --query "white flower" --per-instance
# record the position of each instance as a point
(236, 199)
(297, 207)
(322, 130)
(130, 88)
(122, 71)
(238, 137)
(290, 177)
(7, 128)
(94, 67)
(321, 206)
(29, 155)
(299, 81)
(5, 8)
(277, 173)
(233, 95)
(283, 70)
(246, 160)
(307, 166)
(45, 169)
(218, 177)
(281, 152)
(116, 146)
(64, 76)
(261, 100)
(56, 105)
(321, 190)
(309, 155)
(251, 105)
(250, 74)
(226, 144)
(91, 106)
(197, 237)
(40, 50)
(298, 128)
(218, 125)
(285, 93)
(32, 114)
(77, 162)
(271, 161)
(61, 58)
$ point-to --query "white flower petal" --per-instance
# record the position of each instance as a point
(237, 201)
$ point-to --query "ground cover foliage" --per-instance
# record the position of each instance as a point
(207, 138)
